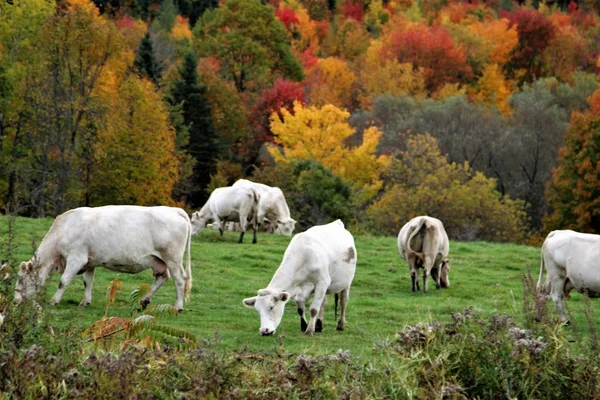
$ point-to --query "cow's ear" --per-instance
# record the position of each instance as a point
(249, 302)
(267, 221)
(283, 296)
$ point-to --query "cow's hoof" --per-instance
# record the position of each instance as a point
(52, 303)
(340, 327)
(303, 325)
(84, 303)
(144, 303)
(310, 332)
(319, 326)
(179, 310)
(254, 242)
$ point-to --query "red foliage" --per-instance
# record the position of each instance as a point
(459, 11)
(287, 16)
(354, 11)
(535, 32)
(322, 30)
(433, 49)
(281, 95)
(125, 23)
(308, 59)
(572, 7)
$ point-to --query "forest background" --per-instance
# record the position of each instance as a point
(485, 114)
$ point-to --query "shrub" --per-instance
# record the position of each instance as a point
(422, 182)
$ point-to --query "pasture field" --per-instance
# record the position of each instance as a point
(485, 276)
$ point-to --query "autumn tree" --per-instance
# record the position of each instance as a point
(136, 160)
(331, 82)
(249, 42)
(432, 49)
(566, 52)
(535, 32)
(63, 108)
(203, 144)
(282, 95)
(493, 89)
(312, 133)
(574, 193)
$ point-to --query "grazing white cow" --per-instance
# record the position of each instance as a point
(572, 262)
(228, 204)
(321, 260)
(126, 239)
(423, 243)
(273, 210)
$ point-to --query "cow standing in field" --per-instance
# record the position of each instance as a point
(423, 243)
(273, 211)
(320, 261)
(125, 239)
(572, 261)
(228, 204)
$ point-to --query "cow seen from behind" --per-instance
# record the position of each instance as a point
(423, 243)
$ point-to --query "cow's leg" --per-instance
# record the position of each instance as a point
(301, 309)
(179, 278)
(557, 293)
(344, 297)
(427, 267)
(161, 275)
(415, 279)
(315, 306)
(243, 225)
(444, 275)
(254, 227)
(74, 264)
(219, 224)
(319, 324)
(88, 282)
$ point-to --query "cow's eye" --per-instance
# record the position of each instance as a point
(271, 308)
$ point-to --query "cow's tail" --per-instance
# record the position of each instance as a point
(412, 235)
(188, 265)
(543, 288)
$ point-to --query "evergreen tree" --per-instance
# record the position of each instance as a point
(203, 145)
(193, 9)
(145, 61)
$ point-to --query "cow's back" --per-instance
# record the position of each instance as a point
(123, 233)
(334, 247)
(575, 254)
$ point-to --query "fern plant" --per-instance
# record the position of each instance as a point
(142, 329)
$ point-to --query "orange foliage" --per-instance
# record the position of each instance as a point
(331, 83)
(500, 37)
(493, 89)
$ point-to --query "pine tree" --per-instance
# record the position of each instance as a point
(203, 145)
(145, 61)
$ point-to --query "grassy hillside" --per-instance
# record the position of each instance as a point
(483, 275)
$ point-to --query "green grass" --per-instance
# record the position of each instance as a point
(485, 276)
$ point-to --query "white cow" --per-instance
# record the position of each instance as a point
(273, 210)
(572, 262)
(228, 204)
(321, 260)
(423, 243)
(126, 239)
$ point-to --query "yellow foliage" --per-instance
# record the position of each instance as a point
(493, 89)
(501, 38)
(381, 74)
(449, 90)
(181, 30)
(311, 133)
(331, 83)
(136, 160)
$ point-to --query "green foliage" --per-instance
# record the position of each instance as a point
(249, 42)
(145, 61)
(203, 144)
(314, 194)
(165, 19)
(422, 182)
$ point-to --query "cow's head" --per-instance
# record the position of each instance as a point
(26, 282)
(270, 305)
(286, 226)
(198, 222)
